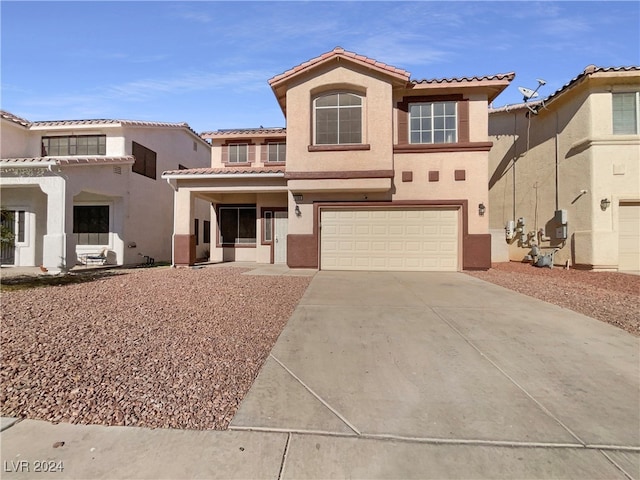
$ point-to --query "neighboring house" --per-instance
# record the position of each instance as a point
(565, 173)
(375, 171)
(79, 187)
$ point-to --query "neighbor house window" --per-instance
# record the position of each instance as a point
(145, 163)
(626, 113)
(74, 145)
(433, 122)
(91, 224)
(338, 119)
(237, 225)
(276, 152)
(238, 153)
(196, 230)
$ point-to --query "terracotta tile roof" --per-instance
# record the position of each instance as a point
(14, 118)
(225, 171)
(340, 52)
(96, 160)
(244, 131)
(589, 70)
(499, 76)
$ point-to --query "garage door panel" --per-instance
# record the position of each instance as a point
(629, 237)
(389, 239)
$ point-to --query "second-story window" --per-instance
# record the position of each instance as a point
(74, 145)
(276, 152)
(626, 113)
(433, 122)
(338, 119)
(238, 153)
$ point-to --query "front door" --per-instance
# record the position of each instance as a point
(8, 244)
(281, 229)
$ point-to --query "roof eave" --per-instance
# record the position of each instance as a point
(200, 176)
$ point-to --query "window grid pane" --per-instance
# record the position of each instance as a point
(338, 119)
(433, 122)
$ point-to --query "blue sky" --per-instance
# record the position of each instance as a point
(207, 63)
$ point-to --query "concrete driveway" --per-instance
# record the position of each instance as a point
(441, 375)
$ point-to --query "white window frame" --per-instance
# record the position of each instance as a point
(338, 107)
(636, 97)
(432, 117)
(234, 152)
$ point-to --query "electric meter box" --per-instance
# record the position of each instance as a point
(560, 217)
(561, 232)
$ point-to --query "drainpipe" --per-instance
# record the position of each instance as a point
(557, 145)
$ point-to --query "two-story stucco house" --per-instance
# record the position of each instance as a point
(78, 188)
(565, 172)
(375, 171)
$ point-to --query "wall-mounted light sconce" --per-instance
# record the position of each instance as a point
(298, 212)
(605, 203)
(481, 209)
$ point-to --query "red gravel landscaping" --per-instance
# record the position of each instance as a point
(611, 297)
(160, 347)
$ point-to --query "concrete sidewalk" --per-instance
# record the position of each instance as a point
(395, 375)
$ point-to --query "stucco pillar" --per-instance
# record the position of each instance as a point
(184, 240)
(58, 244)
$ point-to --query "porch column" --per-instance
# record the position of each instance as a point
(58, 245)
(184, 240)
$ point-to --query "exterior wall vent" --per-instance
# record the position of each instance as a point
(117, 170)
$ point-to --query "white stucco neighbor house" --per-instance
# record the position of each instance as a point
(82, 188)
(565, 173)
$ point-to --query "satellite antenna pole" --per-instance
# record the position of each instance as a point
(528, 94)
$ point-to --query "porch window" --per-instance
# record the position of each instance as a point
(626, 113)
(237, 225)
(91, 224)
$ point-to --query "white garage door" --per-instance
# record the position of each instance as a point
(389, 239)
(629, 237)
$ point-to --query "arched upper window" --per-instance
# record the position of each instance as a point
(338, 119)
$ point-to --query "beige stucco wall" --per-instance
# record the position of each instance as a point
(377, 128)
(573, 135)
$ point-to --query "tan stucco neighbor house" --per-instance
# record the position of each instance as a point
(82, 188)
(565, 173)
(374, 171)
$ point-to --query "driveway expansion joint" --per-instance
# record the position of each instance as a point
(615, 464)
(318, 397)
(284, 456)
(510, 378)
